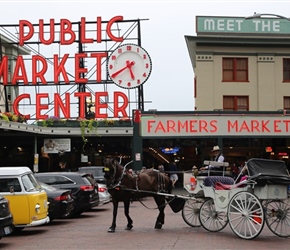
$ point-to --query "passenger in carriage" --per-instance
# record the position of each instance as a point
(218, 157)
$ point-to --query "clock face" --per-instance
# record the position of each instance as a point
(129, 66)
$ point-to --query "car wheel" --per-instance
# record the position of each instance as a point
(78, 212)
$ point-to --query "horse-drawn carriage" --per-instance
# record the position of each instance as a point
(261, 197)
(213, 202)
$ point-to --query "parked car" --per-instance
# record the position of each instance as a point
(84, 192)
(96, 171)
(61, 203)
(27, 200)
(104, 195)
(6, 218)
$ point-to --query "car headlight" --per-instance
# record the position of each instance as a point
(37, 208)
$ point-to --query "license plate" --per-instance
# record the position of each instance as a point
(7, 230)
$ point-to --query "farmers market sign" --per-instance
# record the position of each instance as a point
(215, 125)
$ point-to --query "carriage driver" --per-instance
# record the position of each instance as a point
(218, 157)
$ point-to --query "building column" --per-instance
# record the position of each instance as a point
(137, 143)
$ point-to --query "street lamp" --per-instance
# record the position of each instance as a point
(258, 15)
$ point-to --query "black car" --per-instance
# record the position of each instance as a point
(61, 203)
(6, 218)
(83, 190)
(96, 171)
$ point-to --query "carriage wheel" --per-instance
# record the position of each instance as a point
(246, 215)
(210, 219)
(190, 212)
(278, 217)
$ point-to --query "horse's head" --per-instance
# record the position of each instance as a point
(111, 169)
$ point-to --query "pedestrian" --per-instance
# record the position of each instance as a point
(161, 167)
(63, 167)
(173, 173)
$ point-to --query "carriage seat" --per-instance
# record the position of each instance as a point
(211, 181)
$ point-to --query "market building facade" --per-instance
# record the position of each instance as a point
(242, 71)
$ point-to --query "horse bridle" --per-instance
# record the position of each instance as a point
(117, 182)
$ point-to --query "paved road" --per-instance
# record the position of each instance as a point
(90, 232)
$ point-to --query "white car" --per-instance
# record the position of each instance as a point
(104, 195)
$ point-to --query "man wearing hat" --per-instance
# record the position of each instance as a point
(217, 156)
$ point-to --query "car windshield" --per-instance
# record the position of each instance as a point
(90, 178)
(30, 183)
(47, 187)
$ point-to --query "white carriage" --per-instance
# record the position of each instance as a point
(262, 197)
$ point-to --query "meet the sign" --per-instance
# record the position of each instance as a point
(217, 24)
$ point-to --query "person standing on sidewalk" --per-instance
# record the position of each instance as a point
(173, 173)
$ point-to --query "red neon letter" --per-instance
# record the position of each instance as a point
(4, 69)
(16, 75)
(22, 37)
(99, 105)
(99, 57)
(58, 104)
(79, 70)
(59, 68)
(99, 29)
(123, 107)
(51, 32)
(40, 107)
(109, 27)
(66, 28)
(82, 100)
(16, 104)
(83, 32)
(40, 74)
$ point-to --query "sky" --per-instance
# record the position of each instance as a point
(171, 83)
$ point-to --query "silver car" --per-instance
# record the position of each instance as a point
(104, 195)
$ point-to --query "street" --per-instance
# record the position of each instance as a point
(89, 231)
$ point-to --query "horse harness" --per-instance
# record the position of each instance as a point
(118, 183)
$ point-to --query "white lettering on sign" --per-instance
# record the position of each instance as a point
(213, 125)
(222, 24)
(263, 25)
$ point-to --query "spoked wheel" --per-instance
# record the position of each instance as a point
(246, 215)
(210, 219)
(190, 212)
(278, 217)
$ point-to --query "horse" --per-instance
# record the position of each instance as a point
(124, 185)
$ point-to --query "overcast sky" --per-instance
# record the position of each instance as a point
(170, 86)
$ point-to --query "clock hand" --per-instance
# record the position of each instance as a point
(119, 71)
(129, 65)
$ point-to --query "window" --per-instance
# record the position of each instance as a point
(286, 69)
(235, 69)
(10, 185)
(236, 103)
(287, 102)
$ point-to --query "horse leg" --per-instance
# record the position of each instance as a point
(160, 201)
(126, 211)
(115, 211)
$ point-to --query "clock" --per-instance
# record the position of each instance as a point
(129, 66)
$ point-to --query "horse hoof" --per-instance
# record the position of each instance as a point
(111, 230)
(128, 227)
(158, 225)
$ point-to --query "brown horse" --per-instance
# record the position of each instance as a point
(124, 185)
